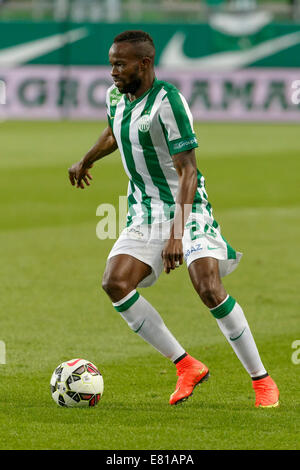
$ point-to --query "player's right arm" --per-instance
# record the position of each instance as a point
(79, 172)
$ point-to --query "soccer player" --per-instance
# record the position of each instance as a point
(169, 217)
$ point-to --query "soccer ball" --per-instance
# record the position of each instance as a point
(76, 383)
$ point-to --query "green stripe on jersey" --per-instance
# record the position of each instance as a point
(127, 150)
(197, 199)
(187, 139)
(109, 120)
(231, 253)
(151, 159)
(131, 202)
(165, 132)
(181, 117)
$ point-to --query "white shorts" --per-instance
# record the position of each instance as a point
(202, 238)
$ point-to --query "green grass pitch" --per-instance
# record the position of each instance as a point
(53, 308)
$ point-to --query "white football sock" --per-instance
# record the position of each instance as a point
(144, 320)
(233, 324)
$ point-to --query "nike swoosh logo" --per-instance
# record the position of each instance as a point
(174, 56)
(237, 337)
(212, 248)
(240, 24)
(177, 390)
(136, 331)
(73, 363)
(16, 55)
(200, 372)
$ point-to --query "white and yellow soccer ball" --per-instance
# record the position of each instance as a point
(76, 383)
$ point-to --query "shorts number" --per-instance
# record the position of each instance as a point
(196, 227)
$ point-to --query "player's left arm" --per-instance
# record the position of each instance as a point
(186, 167)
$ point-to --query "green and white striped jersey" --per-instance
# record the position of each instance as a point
(148, 131)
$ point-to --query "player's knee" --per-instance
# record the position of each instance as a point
(115, 287)
(209, 291)
(209, 297)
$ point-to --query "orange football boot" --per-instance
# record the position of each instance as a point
(191, 373)
(266, 393)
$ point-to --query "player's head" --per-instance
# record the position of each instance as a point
(132, 59)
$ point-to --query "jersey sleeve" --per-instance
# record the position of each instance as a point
(177, 123)
(108, 111)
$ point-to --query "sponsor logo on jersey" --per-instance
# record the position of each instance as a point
(135, 233)
(194, 248)
(185, 143)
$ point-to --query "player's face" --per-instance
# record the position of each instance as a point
(126, 67)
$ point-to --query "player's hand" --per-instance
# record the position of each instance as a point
(79, 174)
(172, 254)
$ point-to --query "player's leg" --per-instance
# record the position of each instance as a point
(122, 275)
(204, 274)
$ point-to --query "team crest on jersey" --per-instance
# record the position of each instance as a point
(144, 123)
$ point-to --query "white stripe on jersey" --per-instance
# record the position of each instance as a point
(161, 148)
(140, 163)
(187, 110)
(168, 118)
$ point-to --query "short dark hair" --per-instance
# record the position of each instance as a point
(136, 36)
